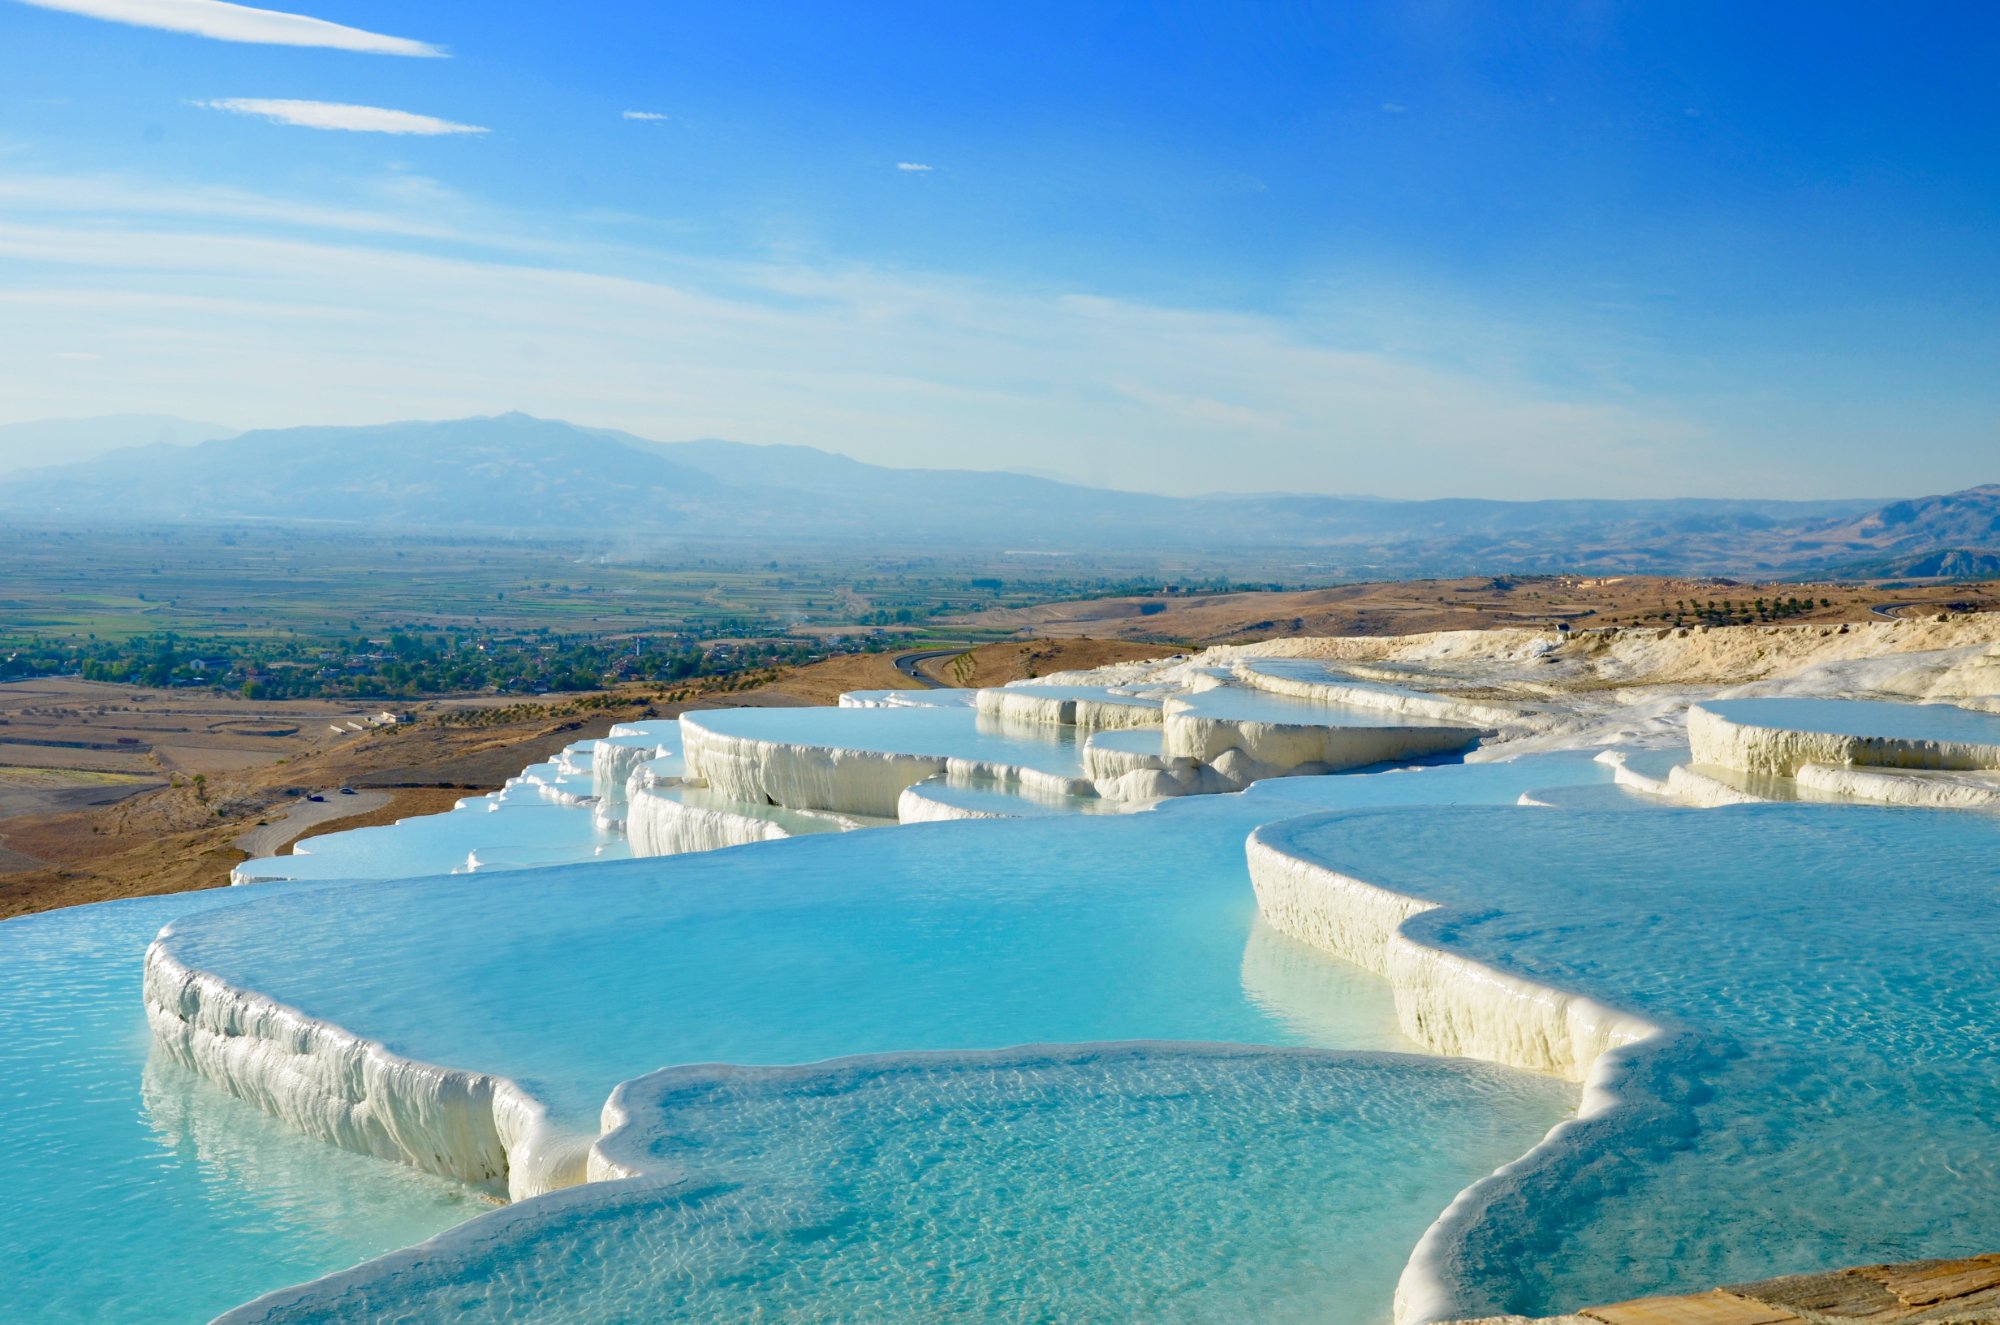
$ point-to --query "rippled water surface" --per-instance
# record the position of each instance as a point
(1088, 1184)
(135, 1192)
(1836, 970)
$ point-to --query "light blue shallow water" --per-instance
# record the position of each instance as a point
(991, 797)
(940, 936)
(1856, 717)
(140, 1193)
(136, 1192)
(1088, 1184)
(524, 829)
(955, 733)
(1837, 1098)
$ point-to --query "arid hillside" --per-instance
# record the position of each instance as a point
(1485, 603)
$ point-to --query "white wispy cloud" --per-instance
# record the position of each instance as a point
(337, 115)
(226, 22)
(644, 115)
(916, 166)
(894, 367)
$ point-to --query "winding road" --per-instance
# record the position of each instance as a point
(1890, 609)
(908, 663)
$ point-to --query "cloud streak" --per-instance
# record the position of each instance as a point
(221, 21)
(897, 368)
(648, 115)
(915, 167)
(337, 115)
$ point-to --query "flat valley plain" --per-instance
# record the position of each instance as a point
(112, 789)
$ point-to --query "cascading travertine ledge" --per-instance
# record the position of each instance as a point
(825, 777)
(1683, 785)
(1306, 747)
(1406, 703)
(917, 807)
(1780, 751)
(1452, 1005)
(1927, 788)
(331, 1084)
(659, 825)
(1025, 708)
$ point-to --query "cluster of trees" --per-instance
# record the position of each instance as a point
(1732, 612)
(409, 664)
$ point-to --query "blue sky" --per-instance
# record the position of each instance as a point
(1412, 249)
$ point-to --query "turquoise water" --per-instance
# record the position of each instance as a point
(1088, 1183)
(488, 832)
(955, 733)
(986, 795)
(1856, 717)
(137, 1192)
(935, 936)
(1834, 1096)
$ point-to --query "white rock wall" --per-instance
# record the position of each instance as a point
(660, 825)
(1780, 752)
(1437, 708)
(333, 1085)
(1452, 1005)
(1933, 790)
(1288, 747)
(1020, 708)
(915, 807)
(611, 767)
(818, 777)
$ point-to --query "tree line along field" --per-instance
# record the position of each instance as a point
(285, 612)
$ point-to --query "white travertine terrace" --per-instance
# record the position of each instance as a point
(1269, 748)
(1450, 1004)
(1022, 706)
(1385, 699)
(1780, 751)
(916, 807)
(845, 781)
(334, 1085)
(1916, 787)
(481, 1128)
(1124, 773)
(1683, 784)
(612, 764)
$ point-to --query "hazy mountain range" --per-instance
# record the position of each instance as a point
(67, 441)
(523, 475)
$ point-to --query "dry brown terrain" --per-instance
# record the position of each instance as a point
(825, 682)
(1023, 660)
(986, 665)
(1415, 606)
(131, 818)
(1961, 1291)
(100, 727)
(181, 835)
